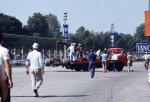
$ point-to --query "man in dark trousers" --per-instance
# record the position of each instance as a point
(92, 58)
(115, 60)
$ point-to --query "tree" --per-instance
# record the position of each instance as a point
(121, 43)
(105, 40)
(123, 40)
(10, 24)
(54, 26)
(38, 25)
(139, 35)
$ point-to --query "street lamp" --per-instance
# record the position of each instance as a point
(65, 26)
(112, 35)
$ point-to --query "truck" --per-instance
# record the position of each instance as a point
(82, 64)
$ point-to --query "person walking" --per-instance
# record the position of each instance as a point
(92, 58)
(115, 61)
(35, 62)
(130, 62)
(146, 63)
(5, 73)
(104, 61)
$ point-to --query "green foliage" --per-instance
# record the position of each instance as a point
(38, 24)
(54, 26)
(90, 39)
(10, 24)
(22, 40)
(139, 35)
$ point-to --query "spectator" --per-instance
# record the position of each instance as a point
(5, 72)
(98, 53)
(79, 54)
(71, 50)
(115, 61)
(34, 59)
(130, 62)
(146, 57)
(92, 58)
(104, 61)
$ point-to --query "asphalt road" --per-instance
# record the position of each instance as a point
(62, 85)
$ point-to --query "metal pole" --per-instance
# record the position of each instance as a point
(22, 53)
(56, 45)
(65, 55)
(49, 52)
(14, 53)
(43, 55)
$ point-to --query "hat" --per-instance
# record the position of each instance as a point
(72, 44)
(35, 45)
(91, 50)
(79, 44)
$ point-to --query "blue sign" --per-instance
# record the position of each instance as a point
(112, 39)
(142, 47)
(65, 26)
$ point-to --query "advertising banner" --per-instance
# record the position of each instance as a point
(147, 23)
(142, 47)
(65, 26)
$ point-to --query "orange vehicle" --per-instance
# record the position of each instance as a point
(82, 64)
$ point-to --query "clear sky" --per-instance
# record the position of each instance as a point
(96, 15)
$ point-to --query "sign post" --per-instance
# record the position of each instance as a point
(112, 35)
(65, 26)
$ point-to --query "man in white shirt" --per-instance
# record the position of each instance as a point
(115, 60)
(71, 50)
(98, 53)
(147, 58)
(5, 72)
(34, 60)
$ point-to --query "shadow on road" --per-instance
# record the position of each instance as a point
(46, 96)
